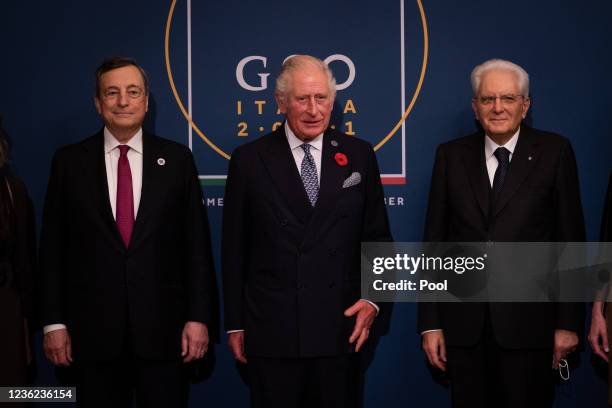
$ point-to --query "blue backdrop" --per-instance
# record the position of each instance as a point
(405, 66)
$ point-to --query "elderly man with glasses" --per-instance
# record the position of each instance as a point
(506, 183)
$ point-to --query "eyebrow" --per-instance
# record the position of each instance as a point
(129, 86)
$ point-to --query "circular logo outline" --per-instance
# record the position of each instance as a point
(217, 149)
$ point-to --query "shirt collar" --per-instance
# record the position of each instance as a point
(491, 146)
(111, 143)
(294, 142)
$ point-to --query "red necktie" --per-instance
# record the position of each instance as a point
(125, 196)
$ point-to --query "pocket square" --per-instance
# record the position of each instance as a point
(352, 180)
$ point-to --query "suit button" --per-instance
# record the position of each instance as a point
(333, 252)
(284, 222)
(332, 285)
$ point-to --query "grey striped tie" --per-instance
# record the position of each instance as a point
(309, 175)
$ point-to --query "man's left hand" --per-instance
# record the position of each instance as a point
(365, 317)
(565, 342)
(194, 341)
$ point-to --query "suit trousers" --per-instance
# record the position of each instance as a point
(487, 375)
(322, 382)
(128, 378)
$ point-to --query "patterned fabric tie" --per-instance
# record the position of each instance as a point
(309, 175)
(503, 159)
(125, 196)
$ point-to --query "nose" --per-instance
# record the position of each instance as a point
(497, 105)
(312, 106)
(123, 99)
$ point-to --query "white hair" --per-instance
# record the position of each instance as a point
(500, 65)
(295, 63)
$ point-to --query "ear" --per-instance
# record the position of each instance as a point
(97, 103)
(525, 106)
(282, 107)
(147, 103)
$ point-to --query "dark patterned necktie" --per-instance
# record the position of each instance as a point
(125, 196)
(309, 175)
(503, 159)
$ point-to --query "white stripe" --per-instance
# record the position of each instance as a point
(403, 70)
(189, 108)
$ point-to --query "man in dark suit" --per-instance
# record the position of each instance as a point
(507, 183)
(298, 204)
(127, 279)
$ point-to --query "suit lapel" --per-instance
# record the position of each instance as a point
(94, 162)
(523, 161)
(477, 171)
(278, 160)
(332, 176)
(152, 150)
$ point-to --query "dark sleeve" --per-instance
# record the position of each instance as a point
(52, 245)
(200, 272)
(25, 251)
(435, 231)
(569, 227)
(234, 250)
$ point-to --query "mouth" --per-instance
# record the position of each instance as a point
(312, 123)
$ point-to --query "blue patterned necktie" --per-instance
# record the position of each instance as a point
(503, 159)
(309, 175)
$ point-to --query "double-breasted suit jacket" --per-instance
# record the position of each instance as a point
(290, 270)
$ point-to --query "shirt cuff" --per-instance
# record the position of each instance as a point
(432, 330)
(52, 327)
(373, 304)
(234, 331)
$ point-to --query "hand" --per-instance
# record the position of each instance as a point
(598, 333)
(435, 348)
(194, 341)
(565, 342)
(57, 347)
(235, 341)
(365, 317)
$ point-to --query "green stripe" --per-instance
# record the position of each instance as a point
(212, 182)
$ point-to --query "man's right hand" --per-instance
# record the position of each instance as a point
(435, 348)
(598, 333)
(235, 342)
(58, 347)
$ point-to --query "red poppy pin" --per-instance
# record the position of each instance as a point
(341, 159)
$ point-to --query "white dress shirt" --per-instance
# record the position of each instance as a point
(491, 146)
(316, 149)
(111, 160)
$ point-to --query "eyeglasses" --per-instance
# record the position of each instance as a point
(505, 100)
(132, 93)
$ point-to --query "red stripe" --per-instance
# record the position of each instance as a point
(393, 180)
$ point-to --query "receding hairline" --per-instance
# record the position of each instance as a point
(302, 63)
(499, 65)
(133, 67)
(113, 63)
